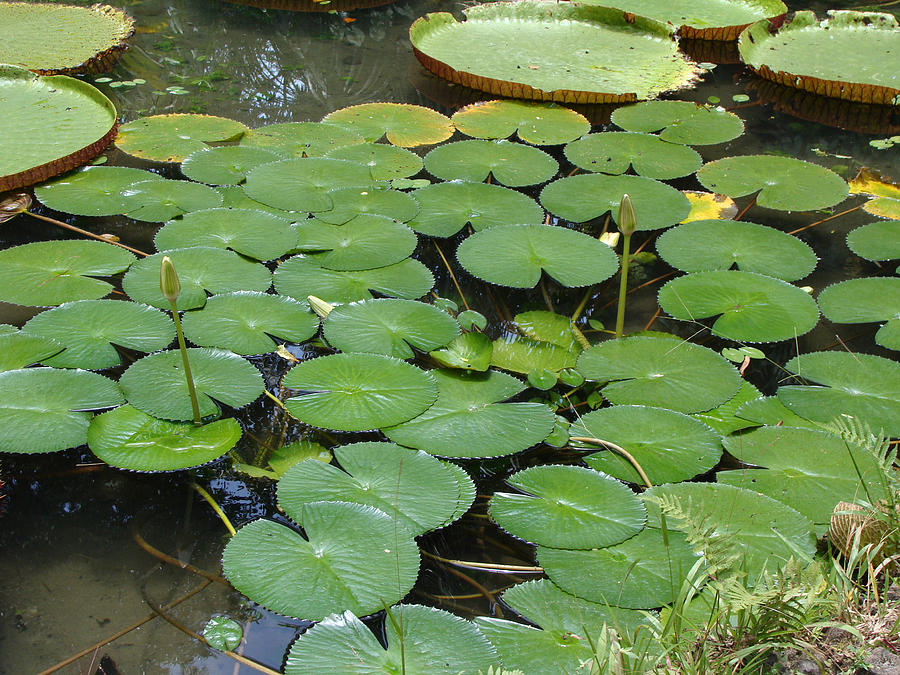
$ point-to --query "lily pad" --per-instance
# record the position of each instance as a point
(233, 196)
(250, 322)
(709, 206)
(468, 419)
(660, 372)
(225, 165)
(568, 507)
(19, 350)
(782, 183)
(157, 201)
(89, 328)
(469, 351)
(401, 123)
(515, 255)
(130, 439)
(876, 241)
(511, 164)
(613, 152)
(156, 383)
(865, 301)
(389, 326)
(445, 208)
(536, 123)
(886, 193)
(369, 241)
(358, 392)
(301, 139)
(45, 273)
(355, 557)
(723, 419)
(770, 411)
(171, 138)
(681, 121)
(302, 184)
(551, 52)
(750, 307)
(386, 162)
(541, 341)
(669, 446)
(50, 124)
(46, 409)
(93, 191)
(588, 196)
(703, 245)
(350, 202)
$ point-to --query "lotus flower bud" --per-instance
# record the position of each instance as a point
(168, 280)
(627, 220)
(319, 306)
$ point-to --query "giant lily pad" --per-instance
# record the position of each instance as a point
(864, 301)
(511, 164)
(367, 242)
(850, 55)
(536, 123)
(515, 255)
(876, 241)
(302, 184)
(45, 409)
(403, 124)
(171, 138)
(469, 419)
(613, 152)
(93, 191)
(680, 121)
(548, 51)
(354, 557)
(301, 139)
(50, 124)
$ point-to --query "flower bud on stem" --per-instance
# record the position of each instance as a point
(171, 289)
(627, 225)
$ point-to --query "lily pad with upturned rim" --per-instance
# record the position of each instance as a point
(301, 139)
(93, 191)
(510, 164)
(535, 123)
(613, 152)
(865, 301)
(402, 124)
(367, 242)
(680, 121)
(225, 165)
(303, 183)
(171, 138)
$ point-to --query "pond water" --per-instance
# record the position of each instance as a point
(72, 570)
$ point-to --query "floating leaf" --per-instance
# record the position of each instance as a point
(568, 507)
(92, 191)
(45, 273)
(886, 203)
(876, 241)
(157, 201)
(89, 328)
(302, 184)
(369, 241)
(227, 165)
(681, 121)
(750, 307)
(541, 341)
(515, 255)
(615, 151)
(223, 633)
(286, 456)
(865, 301)
(18, 350)
(723, 419)
(355, 557)
(357, 392)
(708, 206)
(772, 412)
(469, 351)
(348, 203)
(301, 139)
(156, 383)
(171, 138)
(233, 196)
(130, 439)
(45, 409)
(536, 123)
(403, 124)
(386, 162)
(511, 164)
(469, 420)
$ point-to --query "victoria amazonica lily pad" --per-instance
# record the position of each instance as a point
(130, 439)
(469, 418)
(225, 165)
(614, 152)
(301, 139)
(386, 162)
(536, 123)
(876, 241)
(302, 184)
(368, 241)
(703, 245)
(46, 409)
(47, 273)
(660, 372)
(680, 121)
(250, 322)
(93, 191)
(50, 124)
(18, 350)
(389, 326)
(850, 55)
(568, 507)
(89, 329)
(349, 202)
(549, 51)
(156, 383)
(864, 301)
(749, 307)
(515, 255)
(358, 392)
(401, 123)
(511, 164)
(354, 557)
(430, 641)
(157, 201)
(171, 138)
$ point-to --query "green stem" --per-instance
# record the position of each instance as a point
(215, 507)
(623, 285)
(195, 406)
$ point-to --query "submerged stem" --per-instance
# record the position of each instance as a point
(215, 507)
(60, 223)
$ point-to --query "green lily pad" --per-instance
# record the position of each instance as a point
(680, 121)
(226, 165)
(541, 341)
(348, 203)
(660, 372)
(515, 255)
(401, 123)
(865, 301)
(568, 507)
(750, 307)
(18, 350)
(536, 123)
(358, 392)
(703, 245)
(447, 207)
(130, 439)
(433, 641)
(386, 162)
(876, 241)
(171, 138)
(93, 191)
(45, 409)
(613, 152)
(286, 456)
(89, 328)
(469, 351)
(250, 322)
(388, 326)
(156, 384)
(301, 276)
(723, 419)
(409, 485)
(355, 557)
(233, 196)
(770, 411)
(301, 139)
(201, 270)
(50, 124)
(640, 573)
(468, 419)
(782, 183)
(861, 386)
(511, 164)
(45, 273)
(302, 184)
(369, 241)
(223, 633)
(669, 446)
(547, 53)
(588, 196)
(157, 201)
